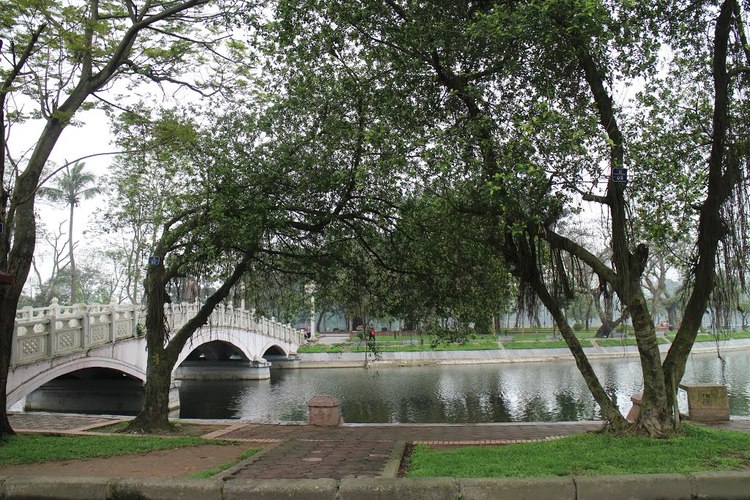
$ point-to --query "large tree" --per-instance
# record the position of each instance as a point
(258, 183)
(59, 58)
(517, 98)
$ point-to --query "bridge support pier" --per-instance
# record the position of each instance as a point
(280, 362)
(223, 370)
(174, 399)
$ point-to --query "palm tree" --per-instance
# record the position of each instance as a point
(73, 186)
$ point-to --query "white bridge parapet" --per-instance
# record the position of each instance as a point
(49, 342)
(45, 333)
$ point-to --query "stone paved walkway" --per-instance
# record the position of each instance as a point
(52, 422)
(366, 450)
(352, 450)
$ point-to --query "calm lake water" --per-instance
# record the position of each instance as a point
(507, 392)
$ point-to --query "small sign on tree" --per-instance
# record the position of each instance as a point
(619, 175)
(154, 261)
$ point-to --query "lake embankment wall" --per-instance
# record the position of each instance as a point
(421, 358)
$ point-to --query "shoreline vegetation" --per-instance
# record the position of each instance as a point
(514, 340)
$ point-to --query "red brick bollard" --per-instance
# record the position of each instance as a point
(324, 411)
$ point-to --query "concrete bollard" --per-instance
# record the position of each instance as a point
(707, 402)
(636, 409)
(324, 411)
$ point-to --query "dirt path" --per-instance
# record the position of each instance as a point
(179, 462)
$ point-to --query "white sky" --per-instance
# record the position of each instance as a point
(92, 137)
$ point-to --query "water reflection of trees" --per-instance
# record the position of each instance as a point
(498, 393)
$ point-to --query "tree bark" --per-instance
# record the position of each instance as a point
(22, 222)
(720, 185)
(520, 252)
(162, 355)
(154, 417)
(7, 320)
(72, 258)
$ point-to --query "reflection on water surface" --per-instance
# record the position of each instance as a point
(506, 392)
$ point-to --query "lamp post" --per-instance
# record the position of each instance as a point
(310, 290)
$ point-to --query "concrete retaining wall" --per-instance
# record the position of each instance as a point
(413, 358)
(719, 485)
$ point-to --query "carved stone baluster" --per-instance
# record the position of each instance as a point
(54, 312)
(230, 316)
(85, 339)
(112, 321)
(27, 313)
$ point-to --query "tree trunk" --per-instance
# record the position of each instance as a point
(604, 330)
(73, 296)
(656, 418)
(720, 186)
(7, 320)
(609, 410)
(162, 356)
(154, 417)
(21, 223)
(321, 317)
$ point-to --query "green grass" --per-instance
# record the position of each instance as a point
(740, 335)
(532, 339)
(207, 474)
(29, 448)
(698, 449)
(536, 344)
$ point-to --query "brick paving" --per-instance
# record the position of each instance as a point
(297, 459)
(364, 450)
(445, 434)
(56, 422)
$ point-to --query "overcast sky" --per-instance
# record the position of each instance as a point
(91, 137)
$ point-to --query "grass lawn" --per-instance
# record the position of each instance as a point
(28, 448)
(521, 340)
(592, 454)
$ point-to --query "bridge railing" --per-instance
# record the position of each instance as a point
(231, 317)
(48, 332)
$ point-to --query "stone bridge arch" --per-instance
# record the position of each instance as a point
(41, 378)
(234, 337)
(51, 342)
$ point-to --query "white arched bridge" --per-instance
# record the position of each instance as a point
(59, 341)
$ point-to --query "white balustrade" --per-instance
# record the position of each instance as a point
(47, 332)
